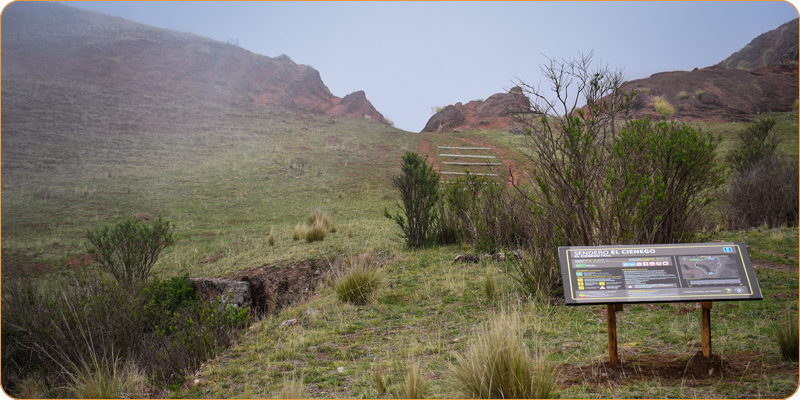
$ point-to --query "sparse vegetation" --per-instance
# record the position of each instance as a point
(292, 389)
(699, 94)
(683, 95)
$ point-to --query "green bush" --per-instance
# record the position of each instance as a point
(764, 186)
(170, 295)
(599, 180)
(69, 331)
(767, 193)
(419, 193)
(129, 250)
(755, 142)
(662, 175)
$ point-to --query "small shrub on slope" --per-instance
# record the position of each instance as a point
(129, 250)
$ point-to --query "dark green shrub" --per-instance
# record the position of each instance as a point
(419, 194)
(764, 186)
(172, 294)
(755, 143)
(159, 326)
(662, 174)
(129, 250)
(767, 193)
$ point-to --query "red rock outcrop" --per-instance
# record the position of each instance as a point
(489, 114)
(779, 45)
(719, 94)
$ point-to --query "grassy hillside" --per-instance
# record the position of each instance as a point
(223, 197)
(266, 174)
(107, 139)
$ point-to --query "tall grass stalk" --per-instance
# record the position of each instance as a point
(292, 389)
(415, 387)
(101, 379)
(788, 338)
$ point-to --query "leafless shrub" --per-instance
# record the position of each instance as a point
(767, 193)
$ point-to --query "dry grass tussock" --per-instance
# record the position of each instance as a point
(318, 226)
(292, 389)
(415, 387)
(105, 380)
(497, 365)
(356, 279)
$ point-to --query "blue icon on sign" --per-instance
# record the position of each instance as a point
(727, 249)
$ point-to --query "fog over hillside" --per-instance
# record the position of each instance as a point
(411, 56)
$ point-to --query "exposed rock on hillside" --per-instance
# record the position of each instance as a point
(53, 42)
(719, 94)
(489, 114)
(778, 46)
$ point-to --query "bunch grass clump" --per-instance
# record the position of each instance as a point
(318, 226)
(498, 366)
(490, 290)
(357, 280)
(299, 232)
(320, 217)
(105, 380)
(663, 107)
(415, 387)
(682, 95)
(788, 338)
(316, 232)
(292, 389)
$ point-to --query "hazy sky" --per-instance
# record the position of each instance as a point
(411, 56)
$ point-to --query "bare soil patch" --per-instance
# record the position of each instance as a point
(672, 369)
(276, 286)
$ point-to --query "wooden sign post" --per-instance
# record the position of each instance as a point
(705, 327)
(657, 273)
(611, 314)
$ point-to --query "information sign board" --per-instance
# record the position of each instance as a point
(658, 273)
